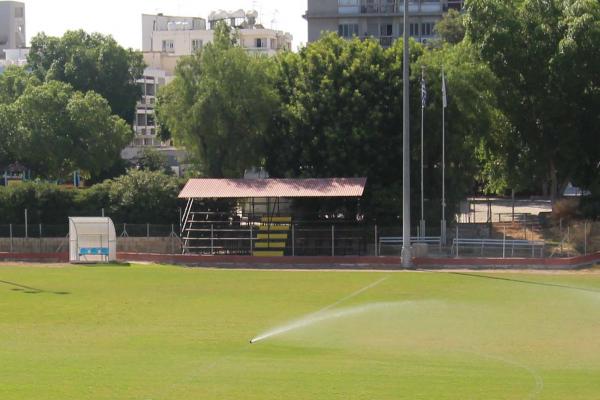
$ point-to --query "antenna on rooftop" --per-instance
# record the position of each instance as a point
(275, 20)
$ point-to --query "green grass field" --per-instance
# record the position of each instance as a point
(155, 332)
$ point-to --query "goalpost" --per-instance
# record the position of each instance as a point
(92, 240)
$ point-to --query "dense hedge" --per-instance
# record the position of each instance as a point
(137, 197)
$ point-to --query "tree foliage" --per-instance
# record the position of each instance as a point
(55, 130)
(545, 53)
(219, 104)
(451, 28)
(138, 197)
(152, 160)
(90, 62)
(342, 116)
(143, 197)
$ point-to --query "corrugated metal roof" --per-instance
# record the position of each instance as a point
(261, 188)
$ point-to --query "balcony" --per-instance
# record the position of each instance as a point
(354, 7)
(386, 41)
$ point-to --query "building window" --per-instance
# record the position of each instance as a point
(148, 142)
(150, 119)
(260, 43)
(348, 6)
(348, 30)
(426, 28)
(414, 29)
(197, 45)
(168, 46)
(388, 6)
(150, 90)
(141, 120)
(386, 30)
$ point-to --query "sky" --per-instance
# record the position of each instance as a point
(122, 18)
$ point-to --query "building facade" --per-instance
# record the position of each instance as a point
(381, 19)
(165, 39)
(12, 26)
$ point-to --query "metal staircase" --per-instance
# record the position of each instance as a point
(272, 238)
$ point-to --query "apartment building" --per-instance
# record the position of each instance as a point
(381, 19)
(12, 26)
(165, 39)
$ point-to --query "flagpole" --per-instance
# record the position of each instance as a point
(423, 100)
(406, 245)
(444, 105)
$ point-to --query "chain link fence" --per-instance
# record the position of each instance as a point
(523, 238)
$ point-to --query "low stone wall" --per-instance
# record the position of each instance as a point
(147, 245)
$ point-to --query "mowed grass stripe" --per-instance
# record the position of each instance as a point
(165, 332)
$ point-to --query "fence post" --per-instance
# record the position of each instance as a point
(376, 243)
(103, 212)
(26, 233)
(180, 216)
(251, 238)
(11, 237)
(147, 230)
(293, 240)
(504, 244)
(457, 241)
(332, 240)
(585, 238)
(40, 241)
(562, 238)
(212, 247)
(172, 235)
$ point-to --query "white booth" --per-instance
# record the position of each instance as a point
(92, 240)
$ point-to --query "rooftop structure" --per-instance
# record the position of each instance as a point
(180, 36)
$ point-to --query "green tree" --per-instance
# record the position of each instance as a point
(451, 28)
(13, 82)
(545, 53)
(219, 105)
(55, 130)
(90, 62)
(153, 160)
(342, 116)
(143, 197)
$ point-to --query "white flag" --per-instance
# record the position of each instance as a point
(444, 98)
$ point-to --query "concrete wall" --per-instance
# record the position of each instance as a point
(152, 245)
(12, 26)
